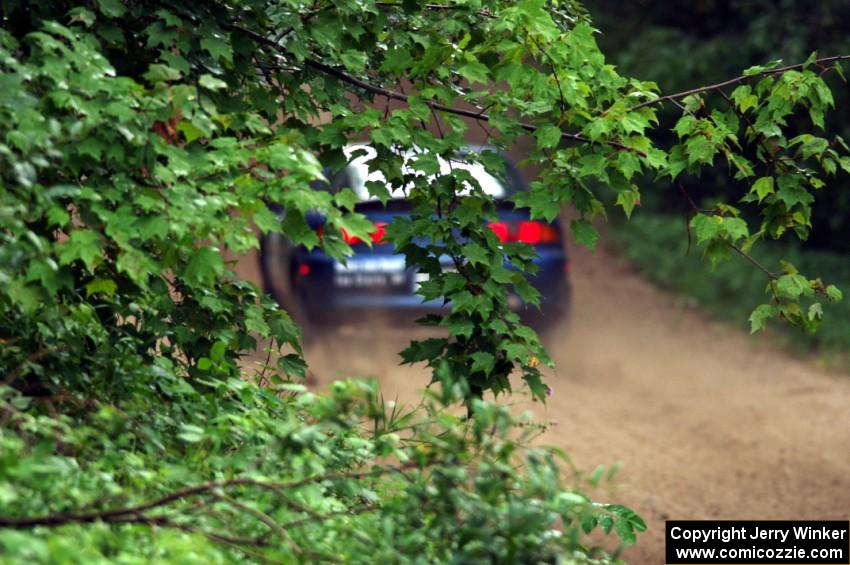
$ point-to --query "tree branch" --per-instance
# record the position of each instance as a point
(474, 114)
(736, 80)
(123, 514)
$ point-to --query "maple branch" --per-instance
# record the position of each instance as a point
(474, 114)
(736, 80)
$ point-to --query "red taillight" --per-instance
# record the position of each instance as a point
(379, 233)
(526, 231)
(536, 232)
(501, 231)
(530, 232)
(377, 236)
(350, 239)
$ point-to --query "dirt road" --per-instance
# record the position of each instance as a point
(706, 421)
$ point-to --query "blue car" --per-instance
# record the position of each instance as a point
(319, 290)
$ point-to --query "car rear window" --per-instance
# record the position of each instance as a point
(356, 174)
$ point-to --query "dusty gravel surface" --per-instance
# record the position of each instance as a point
(707, 422)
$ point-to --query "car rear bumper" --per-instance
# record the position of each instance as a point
(324, 301)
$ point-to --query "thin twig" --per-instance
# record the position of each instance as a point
(771, 275)
(261, 375)
(347, 512)
(696, 210)
(554, 74)
(261, 516)
(37, 355)
(771, 155)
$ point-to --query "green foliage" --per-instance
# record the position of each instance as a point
(658, 246)
(138, 145)
(277, 473)
(648, 39)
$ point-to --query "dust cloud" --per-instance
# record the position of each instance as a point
(707, 422)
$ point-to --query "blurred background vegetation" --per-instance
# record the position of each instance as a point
(682, 45)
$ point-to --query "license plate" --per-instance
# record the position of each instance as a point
(370, 272)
